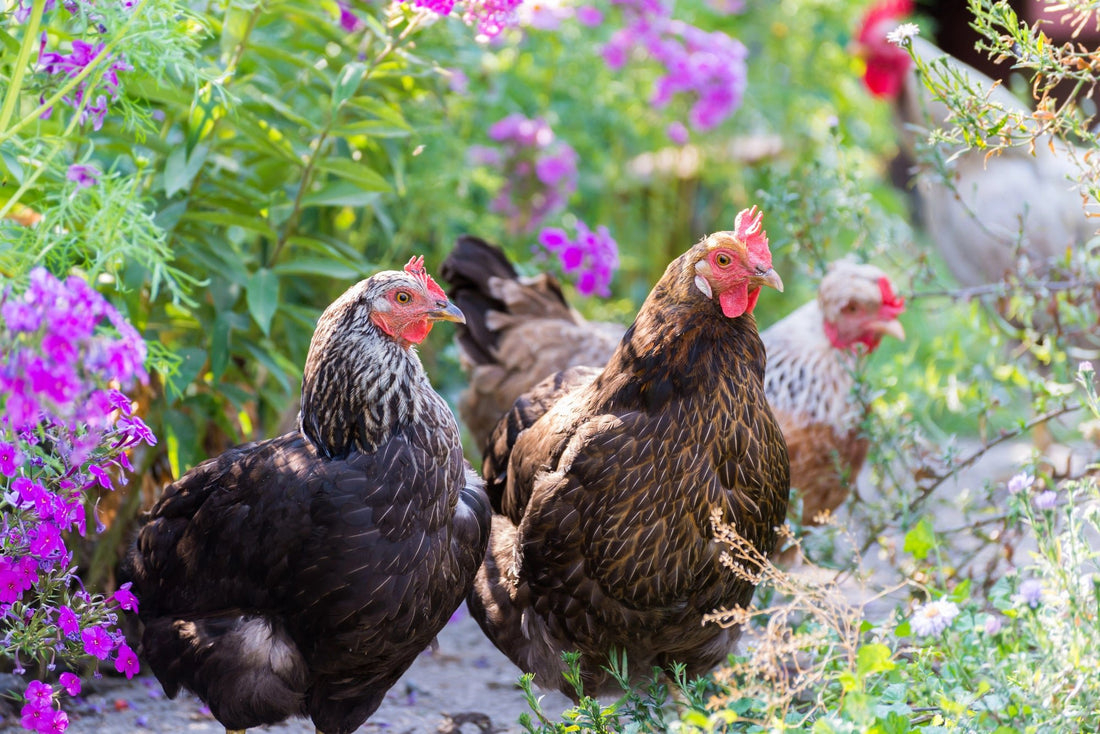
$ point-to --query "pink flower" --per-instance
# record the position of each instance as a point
(71, 684)
(38, 693)
(97, 642)
(127, 661)
(126, 600)
(10, 459)
(67, 621)
(589, 15)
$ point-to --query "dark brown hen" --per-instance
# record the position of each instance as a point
(301, 576)
(604, 481)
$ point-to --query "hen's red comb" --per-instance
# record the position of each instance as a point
(892, 304)
(415, 267)
(749, 229)
(880, 11)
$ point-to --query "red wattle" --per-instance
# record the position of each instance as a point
(738, 300)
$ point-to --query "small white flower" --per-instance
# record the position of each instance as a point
(1020, 482)
(1084, 368)
(933, 618)
(900, 35)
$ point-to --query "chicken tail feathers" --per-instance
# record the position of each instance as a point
(218, 657)
(492, 295)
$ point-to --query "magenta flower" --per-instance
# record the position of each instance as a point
(589, 15)
(71, 683)
(58, 723)
(348, 20)
(97, 642)
(127, 661)
(11, 587)
(10, 459)
(591, 258)
(38, 693)
(101, 476)
(72, 64)
(125, 598)
(677, 133)
(67, 621)
(36, 717)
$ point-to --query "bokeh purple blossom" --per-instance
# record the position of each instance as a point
(490, 17)
(590, 258)
(1030, 594)
(708, 67)
(540, 172)
(65, 427)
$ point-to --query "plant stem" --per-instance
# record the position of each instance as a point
(15, 88)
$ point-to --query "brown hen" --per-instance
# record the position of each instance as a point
(604, 480)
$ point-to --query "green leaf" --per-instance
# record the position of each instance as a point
(360, 174)
(341, 193)
(920, 540)
(262, 293)
(9, 42)
(191, 362)
(180, 168)
(219, 345)
(874, 658)
(228, 219)
(341, 270)
(347, 84)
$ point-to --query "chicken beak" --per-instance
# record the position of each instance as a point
(447, 311)
(892, 327)
(770, 278)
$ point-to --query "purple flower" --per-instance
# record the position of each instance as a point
(38, 693)
(97, 642)
(933, 618)
(993, 624)
(1020, 482)
(348, 20)
(677, 133)
(100, 475)
(84, 176)
(11, 587)
(58, 723)
(1046, 500)
(1031, 593)
(71, 65)
(592, 257)
(589, 15)
(125, 598)
(10, 459)
(127, 661)
(553, 169)
(71, 684)
(67, 621)
(36, 717)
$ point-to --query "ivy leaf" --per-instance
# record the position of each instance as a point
(262, 292)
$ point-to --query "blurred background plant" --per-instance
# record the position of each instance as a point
(220, 171)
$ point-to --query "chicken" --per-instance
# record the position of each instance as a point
(604, 480)
(1016, 200)
(811, 363)
(523, 331)
(301, 575)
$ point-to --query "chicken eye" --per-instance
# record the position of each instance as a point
(850, 308)
(403, 297)
(723, 260)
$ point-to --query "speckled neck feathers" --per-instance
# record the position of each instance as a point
(359, 386)
(679, 342)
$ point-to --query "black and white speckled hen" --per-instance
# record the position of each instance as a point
(302, 575)
(604, 480)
